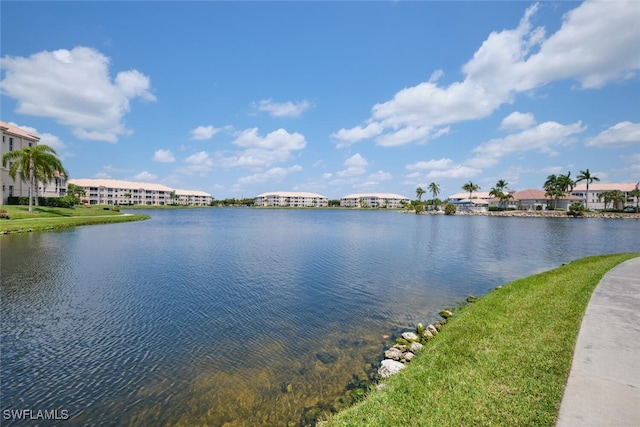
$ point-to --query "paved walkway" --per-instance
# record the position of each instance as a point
(604, 382)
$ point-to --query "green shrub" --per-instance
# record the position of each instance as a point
(576, 209)
(450, 209)
(493, 208)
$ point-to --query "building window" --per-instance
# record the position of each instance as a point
(10, 144)
(11, 191)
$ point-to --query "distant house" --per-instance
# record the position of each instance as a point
(373, 200)
(533, 199)
(479, 202)
(119, 192)
(596, 201)
(292, 199)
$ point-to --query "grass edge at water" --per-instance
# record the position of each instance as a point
(504, 360)
(53, 218)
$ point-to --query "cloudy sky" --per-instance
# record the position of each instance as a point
(238, 98)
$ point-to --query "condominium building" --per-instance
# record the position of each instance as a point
(291, 199)
(374, 200)
(15, 139)
(119, 192)
(596, 200)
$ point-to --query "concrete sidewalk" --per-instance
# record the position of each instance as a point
(604, 382)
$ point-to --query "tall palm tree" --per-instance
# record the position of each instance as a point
(588, 178)
(419, 193)
(470, 187)
(434, 189)
(636, 193)
(551, 188)
(39, 161)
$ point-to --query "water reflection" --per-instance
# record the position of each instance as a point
(245, 316)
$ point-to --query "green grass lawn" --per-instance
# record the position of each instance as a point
(503, 361)
(48, 218)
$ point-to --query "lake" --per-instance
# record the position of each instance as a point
(246, 316)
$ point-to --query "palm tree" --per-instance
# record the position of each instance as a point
(434, 189)
(565, 183)
(557, 186)
(497, 193)
(502, 185)
(636, 193)
(39, 161)
(470, 187)
(586, 176)
(419, 193)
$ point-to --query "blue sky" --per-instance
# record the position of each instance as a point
(239, 98)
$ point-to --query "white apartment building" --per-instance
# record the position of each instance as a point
(291, 199)
(119, 192)
(374, 200)
(596, 201)
(14, 139)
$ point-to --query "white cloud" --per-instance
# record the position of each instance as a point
(204, 132)
(380, 176)
(355, 165)
(74, 88)
(623, 133)
(200, 163)
(277, 140)
(327, 175)
(163, 156)
(276, 147)
(283, 109)
(518, 121)
(455, 171)
(597, 43)
(440, 164)
(271, 175)
(145, 177)
(347, 137)
(589, 46)
(543, 137)
(404, 136)
(438, 169)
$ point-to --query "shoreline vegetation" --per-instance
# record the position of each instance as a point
(46, 218)
(503, 359)
(535, 214)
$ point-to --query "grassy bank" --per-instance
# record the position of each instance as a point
(503, 361)
(49, 218)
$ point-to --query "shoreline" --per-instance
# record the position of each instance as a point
(537, 214)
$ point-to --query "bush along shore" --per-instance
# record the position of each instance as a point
(503, 360)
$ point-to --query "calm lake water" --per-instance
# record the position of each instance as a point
(246, 316)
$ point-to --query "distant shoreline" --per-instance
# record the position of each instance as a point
(539, 214)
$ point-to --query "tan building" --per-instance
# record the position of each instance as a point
(293, 199)
(15, 139)
(479, 201)
(596, 201)
(374, 200)
(533, 199)
(119, 192)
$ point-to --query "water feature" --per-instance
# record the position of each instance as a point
(245, 316)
